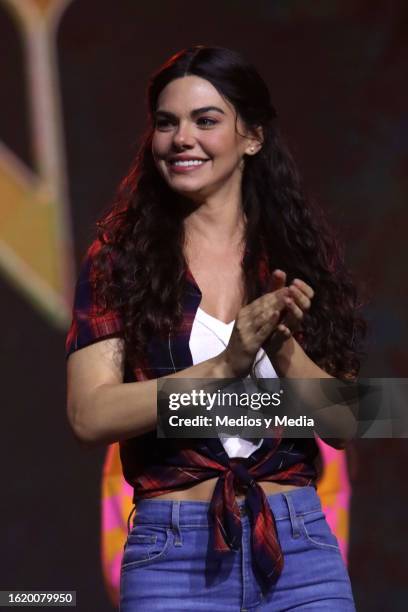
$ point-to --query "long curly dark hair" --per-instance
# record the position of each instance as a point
(140, 267)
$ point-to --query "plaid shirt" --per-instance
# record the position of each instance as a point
(154, 466)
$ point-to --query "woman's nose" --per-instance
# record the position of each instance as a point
(183, 136)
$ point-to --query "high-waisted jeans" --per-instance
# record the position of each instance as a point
(168, 563)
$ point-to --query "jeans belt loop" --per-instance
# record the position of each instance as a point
(175, 523)
(294, 519)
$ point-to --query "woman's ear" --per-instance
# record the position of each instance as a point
(255, 140)
(259, 134)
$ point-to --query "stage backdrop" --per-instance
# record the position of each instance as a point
(72, 110)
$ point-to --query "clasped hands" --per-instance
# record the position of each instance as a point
(267, 322)
(297, 299)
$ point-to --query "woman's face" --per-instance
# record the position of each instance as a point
(197, 142)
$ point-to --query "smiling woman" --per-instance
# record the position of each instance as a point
(193, 117)
(211, 264)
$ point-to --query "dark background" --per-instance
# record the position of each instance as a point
(337, 76)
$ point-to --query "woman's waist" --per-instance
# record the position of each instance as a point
(193, 512)
(185, 478)
(203, 491)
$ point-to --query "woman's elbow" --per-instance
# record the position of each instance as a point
(84, 430)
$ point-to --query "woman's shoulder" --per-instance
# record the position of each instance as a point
(98, 254)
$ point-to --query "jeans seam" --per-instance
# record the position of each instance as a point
(141, 562)
(285, 518)
(316, 542)
(206, 526)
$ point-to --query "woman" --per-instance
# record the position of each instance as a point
(207, 266)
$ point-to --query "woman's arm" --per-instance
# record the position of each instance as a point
(103, 409)
(323, 401)
(291, 362)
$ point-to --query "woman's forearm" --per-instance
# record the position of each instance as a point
(335, 421)
(291, 361)
(114, 412)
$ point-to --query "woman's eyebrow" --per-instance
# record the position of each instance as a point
(194, 113)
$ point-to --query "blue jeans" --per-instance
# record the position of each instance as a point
(168, 563)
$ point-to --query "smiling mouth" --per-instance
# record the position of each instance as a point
(191, 163)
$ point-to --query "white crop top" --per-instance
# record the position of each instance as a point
(209, 337)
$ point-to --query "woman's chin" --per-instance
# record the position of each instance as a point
(191, 191)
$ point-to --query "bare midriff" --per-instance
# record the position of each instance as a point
(203, 491)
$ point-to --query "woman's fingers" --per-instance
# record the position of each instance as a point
(294, 316)
(256, 313)
(306, 289)
(276, 299)
(268, 326)
(283, 332)
(262, 318)
(278, 280)
(262, 322)
(291, 303)
(277, 338)
(301, 299)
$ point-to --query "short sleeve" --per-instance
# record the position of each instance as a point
(89, 324)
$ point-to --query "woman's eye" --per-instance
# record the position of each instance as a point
(167, 124)
(206, 121)
(163, 124)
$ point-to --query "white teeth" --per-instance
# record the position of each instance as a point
(190, 162)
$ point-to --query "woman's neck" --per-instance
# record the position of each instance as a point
(217, 224)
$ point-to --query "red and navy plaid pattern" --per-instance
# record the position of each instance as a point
(156, 466)
(88, 324)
